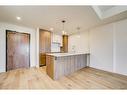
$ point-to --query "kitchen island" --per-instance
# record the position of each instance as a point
(62, 64)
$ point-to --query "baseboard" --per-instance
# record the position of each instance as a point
(107, 71)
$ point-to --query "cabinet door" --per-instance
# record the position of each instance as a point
(48, 42)
(50, 66)
(44, 45)
(45, 41)
(42, 59)
(65, 43)
(57, 38)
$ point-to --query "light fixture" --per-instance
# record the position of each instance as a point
(51, 29)
(18, 18)
(63, 32)
(78, 28)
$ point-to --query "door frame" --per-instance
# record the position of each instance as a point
(6, 44)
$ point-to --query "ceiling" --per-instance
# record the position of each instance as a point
(47, 17)
(105, 8)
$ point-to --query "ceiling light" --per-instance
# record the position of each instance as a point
(63, 32)
(18, 18)
(78, 30)
(51, 29)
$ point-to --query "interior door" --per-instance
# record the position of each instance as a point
(17, 50)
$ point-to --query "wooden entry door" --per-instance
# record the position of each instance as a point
(17, 50)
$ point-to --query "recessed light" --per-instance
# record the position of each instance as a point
(51, 29)
(18, 18)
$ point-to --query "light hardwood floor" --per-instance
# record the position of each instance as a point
(86, 78)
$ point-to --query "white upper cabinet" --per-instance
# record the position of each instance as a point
(57, 38)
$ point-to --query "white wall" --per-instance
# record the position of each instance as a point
(79, 42)
(120, 45)
(37, 48)
(107, 45)
(6, 26)
(101, 47)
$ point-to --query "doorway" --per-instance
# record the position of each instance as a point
(17, 50)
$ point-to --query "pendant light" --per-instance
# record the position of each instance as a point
(63, 32)
(78, 30)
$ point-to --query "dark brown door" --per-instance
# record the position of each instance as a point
(18, 50)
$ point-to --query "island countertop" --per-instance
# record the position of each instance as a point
(62, 64)
(65, 54)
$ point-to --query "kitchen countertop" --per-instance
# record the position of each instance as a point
(65, 54)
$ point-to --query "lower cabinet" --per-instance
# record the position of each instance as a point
(58, 66)
(50, 66)
(42, 59)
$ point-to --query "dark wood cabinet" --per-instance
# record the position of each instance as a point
(42, 59)
(50, 65)
(65, 43)
(44, 45)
